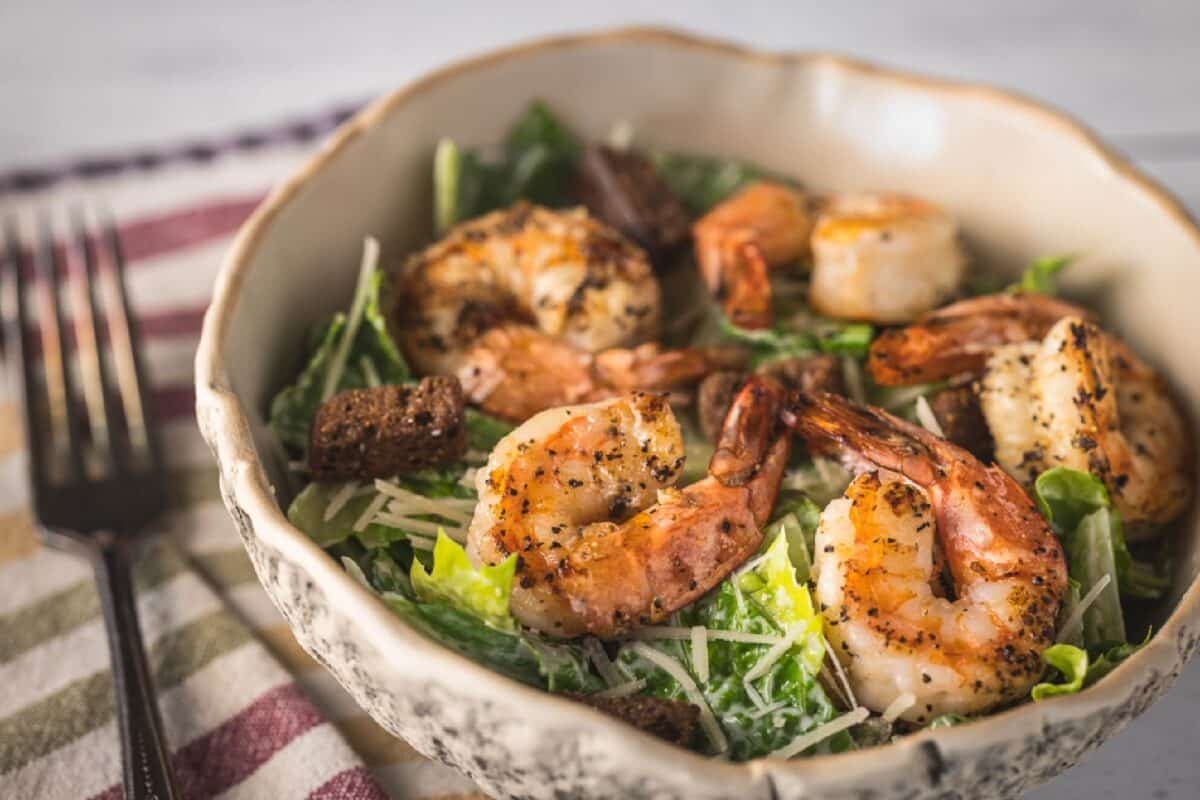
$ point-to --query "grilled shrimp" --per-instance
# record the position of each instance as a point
(883, 258)
(877, 583)
(559, 272)
(957, 339)
(583, 495)
(1081, 398)
(763, 226)
(514, 371)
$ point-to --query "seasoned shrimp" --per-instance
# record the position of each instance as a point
(514, 371)
(883, 258)
(583, 495)
(957, 339)
(877, 583)
(559, 272)
(763, 226)
(1080, 398)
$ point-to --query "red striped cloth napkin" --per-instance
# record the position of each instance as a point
(247, 713)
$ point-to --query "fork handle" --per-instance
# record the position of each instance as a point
(144, 756)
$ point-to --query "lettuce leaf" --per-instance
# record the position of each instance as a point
(1078, 668)
(483, 591)
(701, 182)
(1041, 276)
(540, 154)
(766, 600)
(484, 432)
(947, 721)
(820, 336)
(373, 358)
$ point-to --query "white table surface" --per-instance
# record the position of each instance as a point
(87, 77)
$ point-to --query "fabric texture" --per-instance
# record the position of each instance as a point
(247, 713)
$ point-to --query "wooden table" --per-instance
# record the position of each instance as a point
(83, 76)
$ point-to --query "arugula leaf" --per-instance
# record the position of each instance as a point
(1041, 275)
(372, 357)
(540, 154)
(483, 591)
(700, 181)
(793, 701)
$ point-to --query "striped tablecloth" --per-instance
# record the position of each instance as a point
(247, 713)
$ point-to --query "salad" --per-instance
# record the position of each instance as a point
(762, 471)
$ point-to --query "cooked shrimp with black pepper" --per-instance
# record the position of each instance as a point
(888, 615)
(584, 495)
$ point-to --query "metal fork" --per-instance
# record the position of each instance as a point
(94, 457)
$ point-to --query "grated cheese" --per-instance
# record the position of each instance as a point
(622, 689)
(364, 519)
(764, 664)
(468, 478)
(852, 375)
(337, 364)
(902, 397)
(754, 696)
(700, 652)
(821, 733)
(839, 671)
(655, 632)
(927, 419)
(421, 527)
(673, 668)
(771, 709)
(1075, 620)
(340, 498)
(420, 542)
(457, 509)
(903, 702)
(603, 663)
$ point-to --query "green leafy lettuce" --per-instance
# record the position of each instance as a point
(1076, 668)
(538, 164)
(818, 335)
(1041, 276)
(484, 591)
(701, 182)
(760, 715)
(371, 359)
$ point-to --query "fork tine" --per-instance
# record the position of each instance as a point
(92, 369)
(54, 359)
(123, 337)
(22, 350)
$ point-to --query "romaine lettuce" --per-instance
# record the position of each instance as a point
(702, 182)
(483, 591)
(762, 714)
(1041, 276)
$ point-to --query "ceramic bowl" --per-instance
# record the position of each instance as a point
(1022, 179)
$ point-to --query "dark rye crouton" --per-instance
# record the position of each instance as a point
(388, 430)
(625, 190)
(672, 720)
(960, 414)
(816, 373)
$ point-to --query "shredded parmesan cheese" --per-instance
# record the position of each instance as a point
(673, 668)
(903, 702)
(700, 652)
(754, 696)
(926, 417)
(364, 519)
(420, 527)
(852, 375)
(821, 733)
(420, 542)
(654, 632)
(602, 662)
(764, 664)
(468, 478)
(622, 689)
(841, 673)
(338, 501)
(902, 397)
(1075, 621)
(453, 508)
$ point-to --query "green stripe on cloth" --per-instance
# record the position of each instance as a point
(78, 604)
(88, 703)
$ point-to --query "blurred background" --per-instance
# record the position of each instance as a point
(89, 78)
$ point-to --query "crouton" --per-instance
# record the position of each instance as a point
(672, 720)
(388, 430)
(960, 414)
(624, 190)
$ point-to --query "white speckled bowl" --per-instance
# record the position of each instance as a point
(1023, 180)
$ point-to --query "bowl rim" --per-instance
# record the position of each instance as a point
(226, 427)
